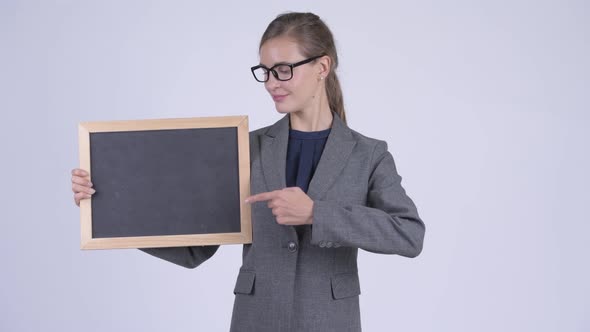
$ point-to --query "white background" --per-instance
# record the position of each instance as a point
(484, 105)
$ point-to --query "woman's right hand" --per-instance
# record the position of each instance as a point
(81, 185)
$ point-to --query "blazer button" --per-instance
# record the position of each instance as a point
(328, 244)
(322, 244)
(292, 246)
(336, 244)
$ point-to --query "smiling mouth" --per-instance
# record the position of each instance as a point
(279, 97)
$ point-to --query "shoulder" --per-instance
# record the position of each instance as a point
(376, 152)
(257, 133)
(260, 131)
(377, 146)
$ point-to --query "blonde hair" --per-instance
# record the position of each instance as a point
(314, 38)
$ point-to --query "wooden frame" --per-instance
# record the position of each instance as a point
(85, 129)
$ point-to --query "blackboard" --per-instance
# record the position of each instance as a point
(168, 182)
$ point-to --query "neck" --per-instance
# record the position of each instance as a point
(316, 118)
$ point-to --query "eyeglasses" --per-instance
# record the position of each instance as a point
(281, 71)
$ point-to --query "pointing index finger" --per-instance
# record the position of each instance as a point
(261, 197)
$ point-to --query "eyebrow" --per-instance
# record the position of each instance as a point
(277, 63)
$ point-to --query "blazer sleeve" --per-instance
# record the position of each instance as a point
(388, 224)
(189, 257)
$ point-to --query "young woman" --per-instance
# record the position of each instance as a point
(310, 215)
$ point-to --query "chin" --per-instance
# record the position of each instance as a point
(283, 109)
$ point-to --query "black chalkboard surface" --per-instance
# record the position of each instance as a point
(170, 182)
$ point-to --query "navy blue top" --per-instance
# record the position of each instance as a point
(303, 155)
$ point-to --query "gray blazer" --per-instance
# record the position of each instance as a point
(312, 284)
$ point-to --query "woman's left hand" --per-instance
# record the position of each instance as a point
(290, 206)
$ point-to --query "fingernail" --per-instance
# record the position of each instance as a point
(92, 191)
(90, 184)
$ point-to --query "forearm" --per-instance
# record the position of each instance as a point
(367, 228)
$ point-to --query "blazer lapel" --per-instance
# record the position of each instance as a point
(338, 147)
(274, 154)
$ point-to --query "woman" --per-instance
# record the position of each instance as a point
(309, 217)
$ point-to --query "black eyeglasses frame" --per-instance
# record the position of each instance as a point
(274, 72)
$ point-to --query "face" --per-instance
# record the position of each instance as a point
(302, 91)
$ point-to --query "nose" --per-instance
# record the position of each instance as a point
(272, 82)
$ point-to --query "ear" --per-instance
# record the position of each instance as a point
(324, 65)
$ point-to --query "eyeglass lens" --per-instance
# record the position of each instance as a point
(283, 71)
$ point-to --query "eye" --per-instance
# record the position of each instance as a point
(283, 69)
